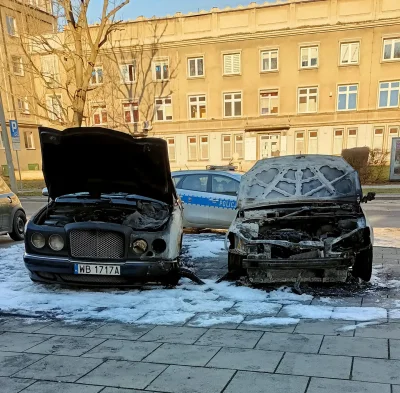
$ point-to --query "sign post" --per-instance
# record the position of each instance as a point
(16, 144)
(395, 160)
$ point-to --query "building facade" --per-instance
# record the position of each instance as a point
(300, 77)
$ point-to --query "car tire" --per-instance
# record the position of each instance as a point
(18, 226)
(362, 267)
(171, 280)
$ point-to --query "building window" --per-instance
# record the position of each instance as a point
(54, 108)
(226, 147)
(192, 148)
(391, 49)
(171, 148)
(349, 53)
(131, 111)
(197, 107)
(164, 109)
(17, 65)
(50, 71)
(196, 67)
(309, 57)
(393, 133)
(204, 150)
(97, 76)
(312, 142)
(128, 73)
(161, 70)
(377, 143)
(389, 94)
(352, 138)
(11, 25)
(337, 142)
(232, 104)
(28, 140)
(299, 147)
(308, 100)
(239, 146)
(23, 105)
(269, 102)
(269, 60)
(347, 97)
(100, 116)
(232, 64)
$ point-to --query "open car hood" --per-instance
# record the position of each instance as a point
(99, 160)
(294, 179)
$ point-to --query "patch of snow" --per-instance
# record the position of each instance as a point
(165, 318)
(257, 308)
(271, 321)
(359, 313)
(308, 312)
(204, 246)
(209, 320)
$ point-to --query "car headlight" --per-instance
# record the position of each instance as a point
(38, 240)
(139, 246)
(56, 242)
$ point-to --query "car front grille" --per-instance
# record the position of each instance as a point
(96, 244)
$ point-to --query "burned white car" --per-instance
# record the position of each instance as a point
(300, 220)
(113, 215)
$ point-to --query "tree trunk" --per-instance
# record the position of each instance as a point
(79, 107)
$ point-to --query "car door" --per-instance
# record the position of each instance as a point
(4, 206)
(192, 190)
(223, 203)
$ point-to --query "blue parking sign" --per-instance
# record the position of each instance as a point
(15, 135)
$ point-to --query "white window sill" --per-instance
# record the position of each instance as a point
(349, 65)
(196, 77)
(269, 71)
(238, 74)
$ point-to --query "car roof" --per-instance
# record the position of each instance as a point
(207, 172)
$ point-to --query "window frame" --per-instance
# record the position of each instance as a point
(389, 89)
(303, 138)
(163, 105)
(383, 128)
(260, 91)
(347, 94)
(14, 33)
(20, 63)
(127, 64)
(337, 137)
(32, 140)
(309, 138)
(53, 76)
(160, 61)
(168, 139)
(308, 47)
(24, 108)
(198, 104)
(189, 144)
(232, 101)
(94, 112)
(95, 72)
(348, 136)
(51, 114)
(200, 150)
(232, 53)
(223, 157)
(195, 58)
(350, 43)
(308, 99)
(241, 156)
(269, 50)
(394, 39)
(131, 110)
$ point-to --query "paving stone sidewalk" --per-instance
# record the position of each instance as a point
(312, 356)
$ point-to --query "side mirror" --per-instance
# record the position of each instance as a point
(369, 197)
(45, 192)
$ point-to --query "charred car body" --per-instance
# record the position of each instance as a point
(300, 219)
(113, 215)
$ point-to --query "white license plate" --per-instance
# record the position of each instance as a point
(98, 270)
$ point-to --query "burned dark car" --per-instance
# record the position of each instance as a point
(300, 219)
(113, 216)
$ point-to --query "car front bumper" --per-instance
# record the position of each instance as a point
(50, 269)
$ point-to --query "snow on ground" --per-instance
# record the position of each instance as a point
(387, 237)
(208, 305)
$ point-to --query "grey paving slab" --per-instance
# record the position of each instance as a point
(325, 327)
(376, 370)
(315, 365)
(13, 385)
(264, 383)
(67, 329)
(306, 343)
(61, 387)
(20, 342)
(384, 330)
(246, 359)
(122, 350)
(337, 301)
(174, 334)
(23, 325)
(355, 346)
(379, 302)
(11, 362)
(66, 345)
(266, 325)
(395, 388)
(230, 338)
(184, 379)
(122, 374)
(182, 354)
(324, 385)
(59, 368)
(120, 331)
(121, 390)
(394, 349)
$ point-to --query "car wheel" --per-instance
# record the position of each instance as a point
(363, 265)
(171, 280)
(19, 222)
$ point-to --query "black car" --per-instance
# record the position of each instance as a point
(113, 215)
(12, 215)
